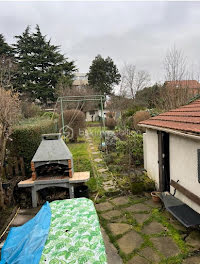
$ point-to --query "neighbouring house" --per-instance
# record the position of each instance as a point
(95, 115)
(80, 79)
(192, 86)
(172, 152)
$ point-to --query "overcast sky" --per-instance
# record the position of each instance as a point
(131, 32)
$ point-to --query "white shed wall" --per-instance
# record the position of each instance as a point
(145, 151)
(184, 167)
(151, 154)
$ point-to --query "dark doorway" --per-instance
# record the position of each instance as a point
(163, 160)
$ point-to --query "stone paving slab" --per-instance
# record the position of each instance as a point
(102, 170)
(104, 206)
(193, 240)
(29, 211)
(153, 228)
(119, 228)
(119, 220)
(24, 215)
(110, 182)
(111, 214)
(129, 242)
(109, 188)
(153, 204)
(111, 251)
(177, 225)
(138, 260)
(166, 246)
(95, 152)
(120, 200)
(140, 218)
(21, 219)
(192, 260)
(150, 254)
(97, 160)
(137, 208)
(105, 175)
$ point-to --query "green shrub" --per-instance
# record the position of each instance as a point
(142, 184)
(110, 140)
(26, 137)
(132, 110)
(134, 146)
(137, 187)
(51, 115)
(30, 110)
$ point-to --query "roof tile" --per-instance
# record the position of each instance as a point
(185, 118)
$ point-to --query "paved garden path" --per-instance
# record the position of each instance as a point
(142, 234)
(139, 230)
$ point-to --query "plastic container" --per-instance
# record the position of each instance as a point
(81, 191)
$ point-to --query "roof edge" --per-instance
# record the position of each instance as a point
(172, 131)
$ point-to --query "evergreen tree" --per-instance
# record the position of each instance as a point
(5, 49)
(103, 75)
(40, 65)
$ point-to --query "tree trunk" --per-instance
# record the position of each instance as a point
(3, 140)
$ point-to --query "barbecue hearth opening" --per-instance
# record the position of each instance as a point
(52, 158)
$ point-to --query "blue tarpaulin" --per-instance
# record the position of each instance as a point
(24, 244)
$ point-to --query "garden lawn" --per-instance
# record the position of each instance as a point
(81, 157)
(95, 133)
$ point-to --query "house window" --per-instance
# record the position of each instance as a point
(198, 154)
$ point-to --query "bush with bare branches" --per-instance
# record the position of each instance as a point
(138, 117)
(9, 113)
(110, 123)
(74, 122)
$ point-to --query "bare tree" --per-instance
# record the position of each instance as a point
(9, 112)
(176, 90)
(175, 65)
(133, 80)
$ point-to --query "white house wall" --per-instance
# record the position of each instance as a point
(184, 167)
(150, 140)
(88, 116)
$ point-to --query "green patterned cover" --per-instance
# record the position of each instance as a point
(74, 235)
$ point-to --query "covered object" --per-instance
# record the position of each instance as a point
(74, 236)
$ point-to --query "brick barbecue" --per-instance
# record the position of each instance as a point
(52, 159)
(52, 166)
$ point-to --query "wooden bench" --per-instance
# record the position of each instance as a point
(181, 211)
(45, 182)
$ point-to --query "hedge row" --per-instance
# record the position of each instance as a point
(26, 137)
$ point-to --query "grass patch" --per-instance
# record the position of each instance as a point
(81, 157)
(95, 133)
(82, 162)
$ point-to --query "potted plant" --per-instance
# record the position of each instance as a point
(155, 196)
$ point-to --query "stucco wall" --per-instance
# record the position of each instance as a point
(151, 154)
(183, 166)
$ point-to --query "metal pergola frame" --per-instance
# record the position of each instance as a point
(79, 98)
